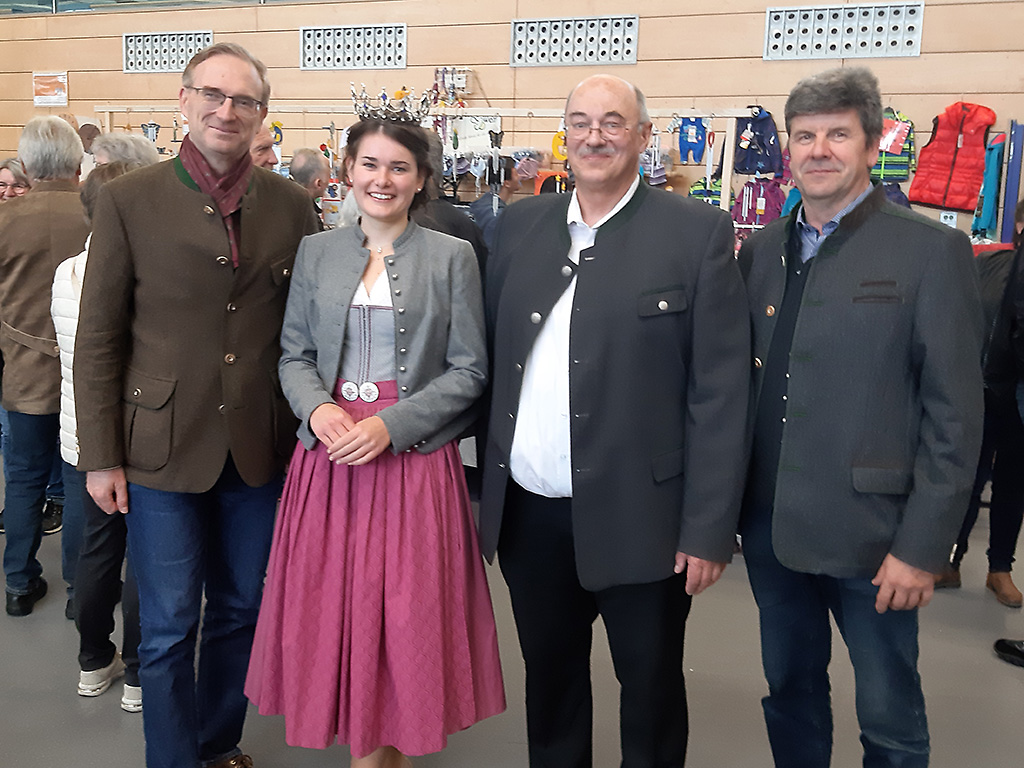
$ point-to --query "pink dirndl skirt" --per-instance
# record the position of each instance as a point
(376, 627)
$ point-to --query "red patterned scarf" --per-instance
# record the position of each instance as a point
(226, 191)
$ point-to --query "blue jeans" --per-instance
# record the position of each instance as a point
(29, 454)
(796, 647)
(182, 546)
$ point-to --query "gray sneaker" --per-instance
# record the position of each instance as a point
(98, 680)
(131, 699)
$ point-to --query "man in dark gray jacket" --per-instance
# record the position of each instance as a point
(866, 429)
(615, 451)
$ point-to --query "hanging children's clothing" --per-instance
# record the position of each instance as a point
(712, 195)
(987, 212)
(896, 156)
(692, 138)
(951, 167)
(757, 143)
(759, 202)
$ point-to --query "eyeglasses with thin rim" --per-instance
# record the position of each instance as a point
(214, 98)
(609, 129)
(4, 186)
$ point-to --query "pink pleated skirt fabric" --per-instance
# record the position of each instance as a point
(376, 627)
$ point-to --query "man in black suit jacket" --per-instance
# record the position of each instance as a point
(615, 450)
(867, 424)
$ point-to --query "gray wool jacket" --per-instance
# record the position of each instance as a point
(440, 351)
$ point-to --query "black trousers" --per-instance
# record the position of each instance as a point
(1004, 440)
(98, 588)
(554, 618)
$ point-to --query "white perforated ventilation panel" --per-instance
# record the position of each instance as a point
(843, 31)
(164, 52)
(378, 46)
(575, 41)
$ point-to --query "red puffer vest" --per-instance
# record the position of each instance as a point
(951, 166)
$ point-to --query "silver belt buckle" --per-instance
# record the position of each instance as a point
(349, 391)
(368, 392)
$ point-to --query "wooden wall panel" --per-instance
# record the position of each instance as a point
(691, 55)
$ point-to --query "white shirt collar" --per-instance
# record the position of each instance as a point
(575, 216)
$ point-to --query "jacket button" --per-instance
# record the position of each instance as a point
(405, 389)
(391, 262)
(56, 349)
(519, 366)
(286, 272)
(398, 291)
(535, 318)
(208, 210)
(394, 276)
(232, 307)
(230, 358)
(222, 408)
(500, 465)
(401, 369)
(757, 362)
(401, 330)
(566, 270)
(769, 310)
(136, 392)
(401, 310)
(222, 260)
(662, 305)
(402, 350)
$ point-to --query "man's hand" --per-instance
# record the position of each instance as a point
(700, 574)
(363, 443)
(901, 586)
(329, 422)
(109, 490)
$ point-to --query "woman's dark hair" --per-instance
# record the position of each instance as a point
(99, 176)
(409, 135)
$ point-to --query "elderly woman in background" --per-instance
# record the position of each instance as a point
(13, 181)
(130, 148)
(98, 578)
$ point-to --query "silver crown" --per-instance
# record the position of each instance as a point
(403, 110)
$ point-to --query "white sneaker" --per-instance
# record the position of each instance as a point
(98, 680)
(131, 699)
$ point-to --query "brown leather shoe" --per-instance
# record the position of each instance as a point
(948, 579)
(1005, 591)
(236, 761)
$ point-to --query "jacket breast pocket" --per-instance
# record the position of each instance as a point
(662, 301)
(148, 419)
(878, 292)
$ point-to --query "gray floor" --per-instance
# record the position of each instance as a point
(974, 700)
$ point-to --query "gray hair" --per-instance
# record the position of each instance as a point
(130, 148)
(228, 49)
(839, 90)
(50, 148)
(306, 164)
(641, 100)
(13, 165)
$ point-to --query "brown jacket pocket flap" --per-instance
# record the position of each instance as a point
(882, 480)
(147, 391)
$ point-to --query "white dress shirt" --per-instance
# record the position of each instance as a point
(541, 456)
